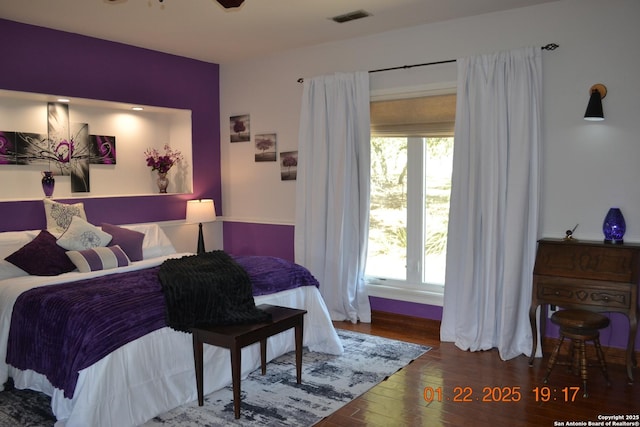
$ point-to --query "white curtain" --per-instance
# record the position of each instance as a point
(493, 222)
(332, 190)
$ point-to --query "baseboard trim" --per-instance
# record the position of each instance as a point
(429, 327)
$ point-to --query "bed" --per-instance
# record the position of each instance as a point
(153, 373)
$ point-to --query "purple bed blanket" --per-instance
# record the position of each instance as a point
(58, 330)
(270, 274)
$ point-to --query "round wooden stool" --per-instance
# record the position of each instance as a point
(579, 326)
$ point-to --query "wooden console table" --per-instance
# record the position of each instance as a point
(589, 275)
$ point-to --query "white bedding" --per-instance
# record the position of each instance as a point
(154, 373)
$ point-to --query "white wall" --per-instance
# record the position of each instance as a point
(588, 167)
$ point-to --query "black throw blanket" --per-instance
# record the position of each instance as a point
(207, 289)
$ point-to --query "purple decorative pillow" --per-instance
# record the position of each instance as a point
(42, 257)
(129, 240)
(99, 258)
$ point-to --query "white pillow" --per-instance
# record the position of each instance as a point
(9, 271)
(81, 235)
(59, 215)
(99, 258)
(11, 241)
(155, 243)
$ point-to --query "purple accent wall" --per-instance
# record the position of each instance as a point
(414, 309)
(41, 60)
(241, 238)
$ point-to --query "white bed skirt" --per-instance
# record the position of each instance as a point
(154, 374)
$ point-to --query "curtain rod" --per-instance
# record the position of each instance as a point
(550, 46)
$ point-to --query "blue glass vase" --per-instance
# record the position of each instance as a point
(614, 226)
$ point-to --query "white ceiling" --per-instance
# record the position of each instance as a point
(201, 29)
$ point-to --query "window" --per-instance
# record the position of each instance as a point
(411, 165)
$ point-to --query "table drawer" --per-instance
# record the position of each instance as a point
(593, 262)
(560, 294)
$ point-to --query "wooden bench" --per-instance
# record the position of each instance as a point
(235, 337)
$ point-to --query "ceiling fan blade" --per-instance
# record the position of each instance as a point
(228, 4)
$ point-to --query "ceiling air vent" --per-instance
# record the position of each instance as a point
(351, 16)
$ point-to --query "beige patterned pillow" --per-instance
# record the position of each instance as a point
(59, 215)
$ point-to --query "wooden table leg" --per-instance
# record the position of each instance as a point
(298, 332)
(534, 333)
(197, 357)
(263, 355)
(236, 364)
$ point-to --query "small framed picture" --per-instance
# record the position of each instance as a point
(288, 165)
(239, 128)
(266, 147)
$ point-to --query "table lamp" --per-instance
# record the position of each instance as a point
(199, 211)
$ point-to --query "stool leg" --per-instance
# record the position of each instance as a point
(583, 366)
(572, 366)
(552, 359)
(603, 364)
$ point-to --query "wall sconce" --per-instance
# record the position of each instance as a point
(199, 211)
(594, 109)
(230, 4)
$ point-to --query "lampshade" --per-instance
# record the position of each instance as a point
(199, 211)
(594, 108)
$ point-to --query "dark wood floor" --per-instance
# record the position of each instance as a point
(452, 374)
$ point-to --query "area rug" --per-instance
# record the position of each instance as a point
(25, 408)
(275, 399)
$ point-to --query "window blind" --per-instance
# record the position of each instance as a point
(428, 116)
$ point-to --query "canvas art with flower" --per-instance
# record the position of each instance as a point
(162, 162)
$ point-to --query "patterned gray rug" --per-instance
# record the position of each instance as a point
(328, 383)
